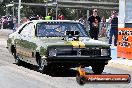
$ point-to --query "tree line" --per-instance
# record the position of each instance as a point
(69, 13)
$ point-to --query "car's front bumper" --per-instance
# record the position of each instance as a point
(78, 60)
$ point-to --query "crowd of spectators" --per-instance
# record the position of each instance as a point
(6, 22)
(94, 25)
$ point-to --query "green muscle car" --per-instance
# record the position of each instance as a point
(56, 43)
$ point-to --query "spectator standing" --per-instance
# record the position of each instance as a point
(4, 22)
(24, 19)
(61, 17)
(82, 20)
(94, 21)
(103, 30)
(15, 22)
(40, 17)
(114, 28)
(48, 17)
(33, 17)
(10, 22)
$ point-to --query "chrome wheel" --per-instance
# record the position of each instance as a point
(17, 60)
(42, 65)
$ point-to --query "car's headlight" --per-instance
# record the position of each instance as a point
(52, 52)
(104, 52)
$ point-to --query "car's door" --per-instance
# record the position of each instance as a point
(27, 45)
(17, 39)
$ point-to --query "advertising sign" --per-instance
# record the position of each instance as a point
(124, 48)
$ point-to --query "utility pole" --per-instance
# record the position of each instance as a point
(13, 9)
(46, 8)
(56, 9)
(19, 9)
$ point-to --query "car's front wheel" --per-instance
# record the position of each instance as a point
(98, 69)
(42, 65)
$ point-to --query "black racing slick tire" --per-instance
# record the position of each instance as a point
(98, 69)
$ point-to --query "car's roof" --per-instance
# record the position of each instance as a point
(39, 21)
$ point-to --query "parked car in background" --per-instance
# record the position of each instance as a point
(57, 43)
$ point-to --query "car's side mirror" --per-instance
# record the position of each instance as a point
(19, 32)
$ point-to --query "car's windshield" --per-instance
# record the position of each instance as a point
(57, 29)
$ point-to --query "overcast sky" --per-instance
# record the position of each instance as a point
(1, 0)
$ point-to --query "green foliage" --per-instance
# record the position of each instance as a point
(2, 9)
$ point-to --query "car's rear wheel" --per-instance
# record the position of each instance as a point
(17, 58)
(11, 49)
(98, 69)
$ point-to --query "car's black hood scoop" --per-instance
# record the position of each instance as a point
(71, 36)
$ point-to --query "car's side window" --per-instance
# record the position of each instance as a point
(28, 31)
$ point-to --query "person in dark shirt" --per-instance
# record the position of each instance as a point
(94, 21)
(114, 28)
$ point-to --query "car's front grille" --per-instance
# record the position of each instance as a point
(79, 52)
(90, 52)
